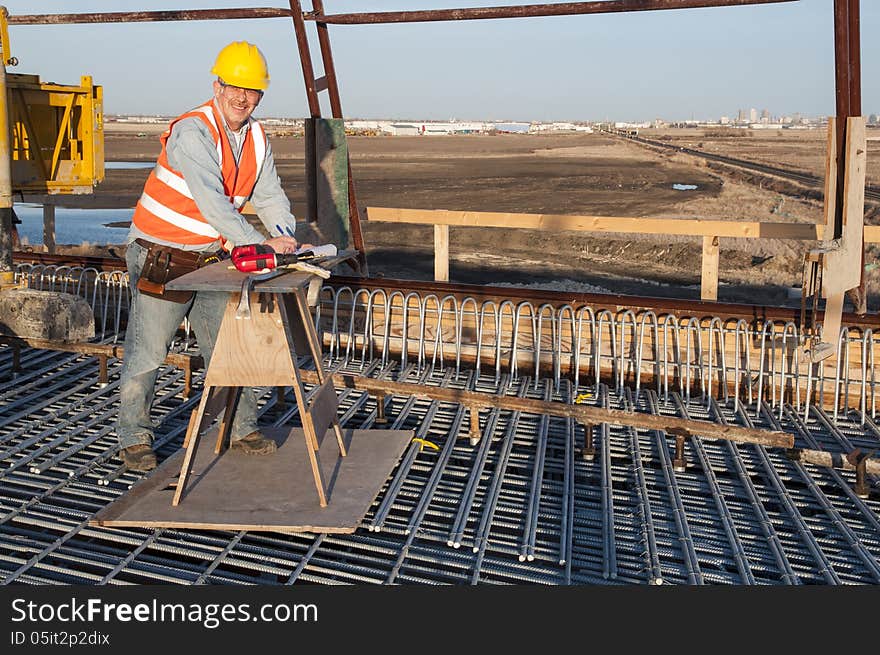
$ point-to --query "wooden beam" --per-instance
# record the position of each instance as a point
(441, 253)
(589, 416)
(49, 228)
(180, 360)
(842, 267)
(620, 224)
(709, 282)
(830, 197)
(582, 413)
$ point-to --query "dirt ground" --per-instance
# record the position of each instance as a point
(583, 174)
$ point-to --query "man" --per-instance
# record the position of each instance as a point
(214, 158)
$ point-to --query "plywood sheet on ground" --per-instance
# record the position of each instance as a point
(277, 493)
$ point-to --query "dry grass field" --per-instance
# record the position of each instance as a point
(583, 174)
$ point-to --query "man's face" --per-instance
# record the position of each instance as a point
(236, 104)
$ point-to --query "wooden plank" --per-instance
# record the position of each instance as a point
(629, 225)
(854, 193)
(831, 320)
(234, 491)
(323, 407)
(872, 234)
(298, 336)
(191, 441)
(251, 352)
(304, 317)
(830, 202)
(218, 401)
(441, 253)
(842, 267)
(300, 314)
(117, 351)
(583, 413)
(232, 396)
(709, 281)
(49, 228)
(314, 348)
(683, 226)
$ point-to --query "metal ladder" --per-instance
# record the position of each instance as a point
(327, 83)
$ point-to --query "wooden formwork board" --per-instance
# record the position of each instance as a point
(276, 492)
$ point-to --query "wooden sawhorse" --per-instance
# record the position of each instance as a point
(261, 351)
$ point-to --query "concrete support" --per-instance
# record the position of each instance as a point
(49, 315)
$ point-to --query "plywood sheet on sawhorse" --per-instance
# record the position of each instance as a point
(234, 491)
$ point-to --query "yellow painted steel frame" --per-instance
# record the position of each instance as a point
(57, 135)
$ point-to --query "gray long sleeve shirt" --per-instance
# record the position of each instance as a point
(190, 149)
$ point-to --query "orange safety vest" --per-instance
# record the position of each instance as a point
(166, 209)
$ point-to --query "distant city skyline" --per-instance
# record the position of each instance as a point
(673, 64)
(740, 117)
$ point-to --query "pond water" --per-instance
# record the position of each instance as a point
(73, 226)
(122, 165)
(684, 187)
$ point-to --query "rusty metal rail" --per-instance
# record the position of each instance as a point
(525, 11)
(149, 16)
(476, 13)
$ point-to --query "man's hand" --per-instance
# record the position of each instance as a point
(282, 245)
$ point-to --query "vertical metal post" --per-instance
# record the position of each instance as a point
(7, 274)
(589, 451)
(354, 215)
(328, 82)
(305, 58)
(327, 58)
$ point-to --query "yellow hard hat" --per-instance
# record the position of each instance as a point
(242, 64)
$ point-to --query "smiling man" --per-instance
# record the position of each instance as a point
(213, 160)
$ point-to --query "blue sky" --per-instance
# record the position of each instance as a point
(700, 63)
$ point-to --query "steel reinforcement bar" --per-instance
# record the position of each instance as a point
(525, 505)
(727, 356)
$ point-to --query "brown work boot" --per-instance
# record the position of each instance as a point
(254, 444)
(139, 457)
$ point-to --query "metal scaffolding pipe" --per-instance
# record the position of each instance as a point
(149, 16)
(525, 11)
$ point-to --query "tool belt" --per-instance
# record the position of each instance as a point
(163, 264)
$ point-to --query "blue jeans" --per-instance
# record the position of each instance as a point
(152, 324)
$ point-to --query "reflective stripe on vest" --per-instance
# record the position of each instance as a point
(167, 210)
